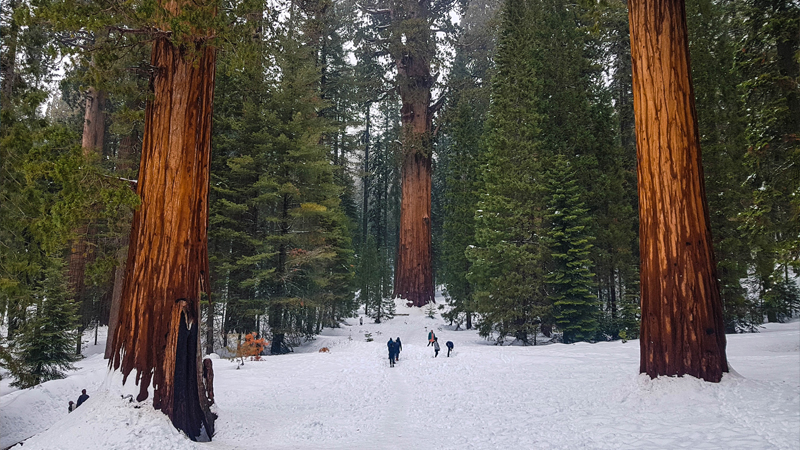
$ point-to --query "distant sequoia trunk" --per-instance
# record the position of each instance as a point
(167, 267)
(81, 254)
(682, 329)
(414, 273)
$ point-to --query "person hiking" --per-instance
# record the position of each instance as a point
(82, 398)
(431, 338)
(361, 321)
(436, 347)
(399, 346)
(72, 406)
(392, 351)
(449, 345)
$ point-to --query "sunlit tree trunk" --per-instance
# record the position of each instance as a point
(414, 272)
(167, 268)
(682, 330)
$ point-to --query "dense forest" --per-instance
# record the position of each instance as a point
(346, 153)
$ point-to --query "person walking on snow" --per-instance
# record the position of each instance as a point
(82, 398)
(436, 347)
(449, 345)
(72, 406)
(392, 350)
(399, 346)
(431, 338)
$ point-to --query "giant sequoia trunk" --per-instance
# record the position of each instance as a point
(413, 279)
(682, 330)
(157, 332)
(80, 251)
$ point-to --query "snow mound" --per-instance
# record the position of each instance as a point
(108, 421)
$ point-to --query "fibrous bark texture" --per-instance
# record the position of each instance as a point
(682, 330)
(414, 274)
(413, 279)
(167, 268)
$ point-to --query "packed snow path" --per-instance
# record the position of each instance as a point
(581, 396)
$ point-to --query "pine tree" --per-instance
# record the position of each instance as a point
(47, 188)
(44, 347)
(613, 204)
(459, 153)
(508, 257)
(569, 279)
(769, 84)
(721, 124)
(281, 244)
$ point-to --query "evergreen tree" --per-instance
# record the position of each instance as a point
(613, 205)
(458, 155)
(569, 279)
(508, 257)
(47, 187)
(769, 72)
(721, 124)
(44, 347)
(281, 244)
(374, 273)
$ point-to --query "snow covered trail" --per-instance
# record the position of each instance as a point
(579, 396)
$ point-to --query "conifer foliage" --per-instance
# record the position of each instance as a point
(508, 255)
(570, 278)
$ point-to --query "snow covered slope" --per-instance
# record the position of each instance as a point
(579, 396)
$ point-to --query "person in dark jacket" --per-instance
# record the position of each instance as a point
(392, 351)
(72, 406)
(436, 347)
(449, 345)
(82, 398)
(399, 346)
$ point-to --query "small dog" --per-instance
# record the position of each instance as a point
(324, 350)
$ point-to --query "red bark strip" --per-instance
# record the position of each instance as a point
(682, 330)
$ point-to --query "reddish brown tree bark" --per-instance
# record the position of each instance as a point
(682, 330)
(157, 332)
(413, 278)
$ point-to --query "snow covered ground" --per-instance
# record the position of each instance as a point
(580, 396)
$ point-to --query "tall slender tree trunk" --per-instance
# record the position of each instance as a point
(365, 215)
(277, 321)
(414, 272)
(682, 330)
(612, 290)
(157, 333)
(81, 253)
(126, 150)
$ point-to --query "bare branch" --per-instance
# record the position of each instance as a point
(374, 11)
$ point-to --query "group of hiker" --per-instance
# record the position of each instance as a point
(395, 346)
(82, 398)
(394, 350)
(433, 340)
